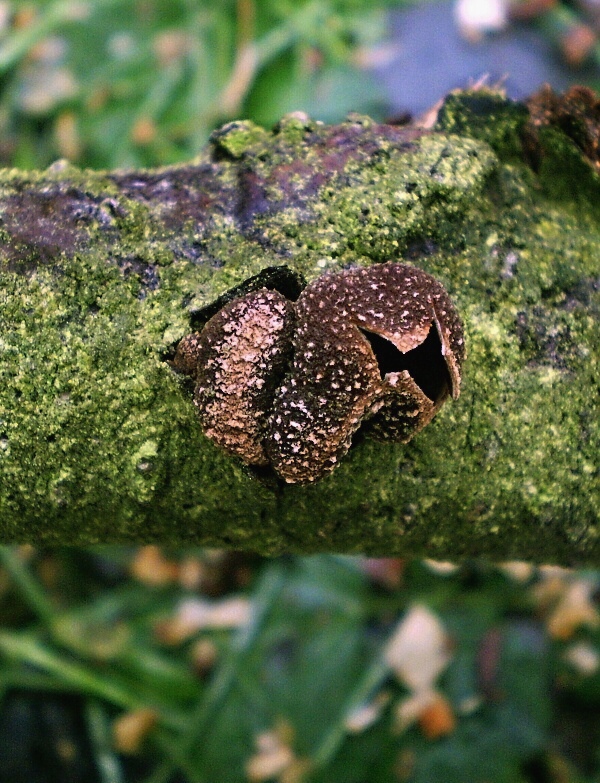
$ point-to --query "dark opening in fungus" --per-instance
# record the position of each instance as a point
(288, 384)
(425, 364)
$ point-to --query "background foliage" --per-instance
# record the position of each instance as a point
(114, 83)
(147, 665)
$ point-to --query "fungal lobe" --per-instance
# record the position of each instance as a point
(236, 361)
(380, 346)
(288, 384)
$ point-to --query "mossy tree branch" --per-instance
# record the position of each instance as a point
(101, 274)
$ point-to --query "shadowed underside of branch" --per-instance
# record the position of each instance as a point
(101, 275)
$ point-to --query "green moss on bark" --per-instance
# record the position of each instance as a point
(98, 437)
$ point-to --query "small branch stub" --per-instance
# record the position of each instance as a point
(287, 385)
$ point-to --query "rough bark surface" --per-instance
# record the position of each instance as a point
(101, 274)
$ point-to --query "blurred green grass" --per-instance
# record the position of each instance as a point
(130, 83)
(116, 83)
(211, 666)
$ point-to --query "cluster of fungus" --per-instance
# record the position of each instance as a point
(287, 384)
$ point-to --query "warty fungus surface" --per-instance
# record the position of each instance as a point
(288, 384)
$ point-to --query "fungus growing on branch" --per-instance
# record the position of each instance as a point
(288, 384)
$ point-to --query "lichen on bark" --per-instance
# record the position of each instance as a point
(101, 275)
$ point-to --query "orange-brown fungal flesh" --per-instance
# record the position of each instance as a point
(288, 384)
(239, 356)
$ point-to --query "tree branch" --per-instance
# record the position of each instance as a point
(101, 275)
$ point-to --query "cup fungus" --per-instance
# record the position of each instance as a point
(288, 384)
(236, 362)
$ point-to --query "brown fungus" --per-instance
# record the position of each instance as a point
(381, 346)
(236, 362)
(288, 384)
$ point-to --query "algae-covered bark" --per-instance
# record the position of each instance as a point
(101, 275)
